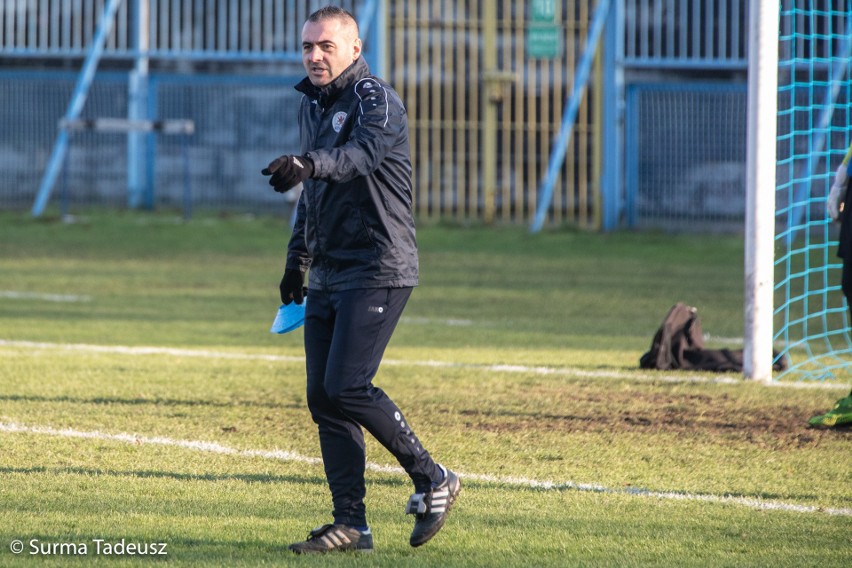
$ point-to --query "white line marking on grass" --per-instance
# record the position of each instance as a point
(129, 350)
(209, 447)
(637, 375)
(15, 295)
(750, 502)
(727, 340)
(284, 455)
(431, 321)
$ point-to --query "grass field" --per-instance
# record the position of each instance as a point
(143, 400)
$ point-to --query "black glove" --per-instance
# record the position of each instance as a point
(291, 286)
(288, 171)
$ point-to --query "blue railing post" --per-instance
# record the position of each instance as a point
(372, 25)
(75, 107)
(139, 186)
(612, 179)
(560, 147)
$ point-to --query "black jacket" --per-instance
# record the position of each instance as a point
(354, 226)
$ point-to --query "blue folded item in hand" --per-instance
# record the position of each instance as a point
(289, 317)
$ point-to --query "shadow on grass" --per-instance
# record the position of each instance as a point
(469, 484)
(152, 474)
(151, 401)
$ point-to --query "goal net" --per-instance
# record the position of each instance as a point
(811, 318)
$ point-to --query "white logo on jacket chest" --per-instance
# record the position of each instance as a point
(337, 121)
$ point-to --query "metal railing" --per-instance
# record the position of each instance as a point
(180, 29)
(685, 33)
(434, 55)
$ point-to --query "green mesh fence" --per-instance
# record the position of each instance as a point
(812, 325)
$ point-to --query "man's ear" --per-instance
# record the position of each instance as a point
(356, 49)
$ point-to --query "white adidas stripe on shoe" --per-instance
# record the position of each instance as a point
(430, 510)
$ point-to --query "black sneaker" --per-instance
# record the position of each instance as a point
(430, 510)
(335, 538)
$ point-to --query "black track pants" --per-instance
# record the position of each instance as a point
(345, 337)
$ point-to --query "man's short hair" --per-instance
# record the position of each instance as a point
(334, 13)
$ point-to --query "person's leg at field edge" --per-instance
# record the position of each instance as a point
(346, 334)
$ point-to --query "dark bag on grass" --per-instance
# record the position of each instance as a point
(679, 332)
(679, 344)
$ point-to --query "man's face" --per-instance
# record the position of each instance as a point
(328, 48)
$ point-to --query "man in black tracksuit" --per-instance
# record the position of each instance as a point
(354, 230)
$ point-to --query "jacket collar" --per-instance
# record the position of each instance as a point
(325, 96)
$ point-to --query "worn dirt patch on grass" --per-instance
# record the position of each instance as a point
(638, 411)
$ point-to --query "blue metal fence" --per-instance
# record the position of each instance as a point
(693, 34)
(686, 167)
(241, 30)
(216, 39)
(241, 123)
(232, 33)
(684, 145)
